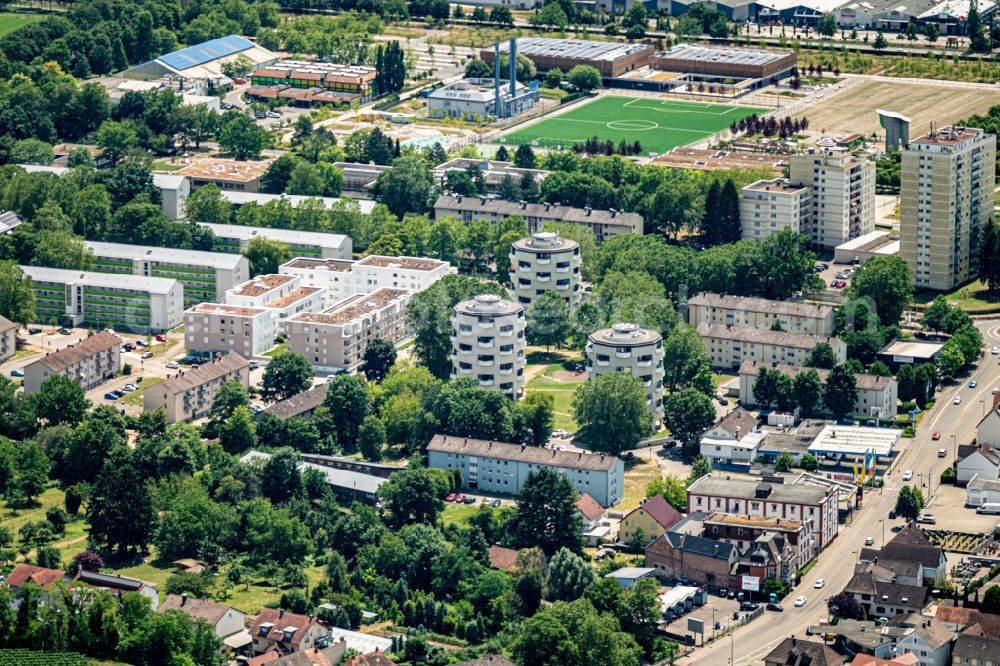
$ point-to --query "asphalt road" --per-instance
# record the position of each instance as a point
(749, 644)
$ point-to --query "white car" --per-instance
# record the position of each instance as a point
(957, 400)
(819, 583)
(995, 350)
(800, 601)
(172, 365)
(907, 475)
(869, 541)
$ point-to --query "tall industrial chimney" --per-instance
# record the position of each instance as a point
(496, 78)
(513, 67)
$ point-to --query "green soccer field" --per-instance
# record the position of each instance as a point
(659, 125)
(11, 22)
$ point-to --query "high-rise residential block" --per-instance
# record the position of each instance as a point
(487, 342)
(768, 206)
(946, 196)
(545, 262)
(842, 195)
(636, 351)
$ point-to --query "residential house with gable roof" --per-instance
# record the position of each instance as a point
(284, 632)
(988, 429)
(978, 460)
(28, 574)
(733, 440)
(650, 519)
(978, 650)
(225, 620)
(910, 545)
(796, 652)
(883, 598)
(927, 638)
(119, 584)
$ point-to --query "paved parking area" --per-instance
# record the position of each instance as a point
(949, 501)
(716, 610)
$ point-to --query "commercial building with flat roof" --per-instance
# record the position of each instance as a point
(868, 246)
(946, 198)
(190, 393)
(123, 302)
(604, 223)
(322, 81)
(876, 394)
(335, 340)
(912, 352)
(791, 316)
(360, 178)
(842, 194)
(211, 329)
(236, 238)
(349, 485)
(487, 342)
(854, 442)
(611, 59)
(201, 61)
(473, 98)
(814, 505)
(93, 360)
(545, 262)
(237, 199)
(768, 206)
(633, 350)
(725, 62)
(228, 174)
(730, 346)
(205, 275)
(503, 468)
(712, 159)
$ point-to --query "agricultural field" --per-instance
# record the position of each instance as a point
(11, 22)
(659, 125)
(854, 110)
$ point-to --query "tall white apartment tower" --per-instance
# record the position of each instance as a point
(544, 262)
(487, 342)
(946, 196)
(842, 197)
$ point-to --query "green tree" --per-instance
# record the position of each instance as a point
(524, 157)
(551, 15)
(348, 401)
(242, 138)
(569, 576)
(950, 360)
(684, 357)
(379, 357)
(991, 600)
(584, 78)
(909, 502)
(120, 508)
(880, 41)
(32, 151)
(286, 374)
(808, 391)
(841, 391)
(969, 341)
(809, 462)
(612, 410)
(888, 282)
(546, 515)
(687, 414)
(62, 249)
(822, 356)
(238, 434)
(280, 477)
(672, 488)
(827, 25)
(784, 462)
(17, 299)
(945, 317)
(533, 418)
(979, 41)
(206, 204)
(412, 496)
(30, 473)
(266, 255)
(116, 139)
(906, 379)
(548, 321)
(765, 387)
(60, 399)
(405, 188)
(574, 634)
(275, 179)
(371, 438)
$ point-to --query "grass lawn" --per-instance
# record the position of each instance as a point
(167, 166)
(659, 125)
(561, 390)
(973, 298)
(71, 542)
(24, 353)
(135, 397)
(278, 350)
(458, 514)
(11, 22)
(161, 348)
(637, 477)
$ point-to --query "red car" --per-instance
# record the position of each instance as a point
(160, 337)
(451, 497)
(839, 284)
(936, 436)
(460, 498)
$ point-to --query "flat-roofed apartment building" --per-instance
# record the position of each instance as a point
(946, 197)
(492, 171)
(336, 276)
(8, 338)
(768, 206)
(730, 346)
(205, 275)
(93, 360)
(122, 302)
(189, 394)
(335, 340)
(282, 295)
(812, 504)
(604, 223)
(236, 238)
(499, 467)
(792, 317)
(211, 329)
(636, 351)
(228, 174)
(842, 193)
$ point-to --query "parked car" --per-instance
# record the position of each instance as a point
(35, 331)
(253, 365)
(732, 594)
(605, 553)
(256, 409)
(972, 384)
(869, 541)
(495, 503)
(749, 606)
(17, 373)
(775, 607)
(172, 365)
(160, 337)
(459, 498)
(469, 500)
(120, 393)
(141, 343)
(723, 401)
(995, 350)
(146, 355)
(110, 395)
(927, 518)
(723, 591)
(450, 497)
(800, 601)
(65, 331)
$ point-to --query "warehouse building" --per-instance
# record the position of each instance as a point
(310, 82)
(205, 275)
(235, 238)
(497, 467)
(611, 59)
(132, 303)
(604, 223)
(202, 61)
(725, 62)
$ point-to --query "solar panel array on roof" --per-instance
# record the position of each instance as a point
(199, 54)
(582, 49)
(728, 56)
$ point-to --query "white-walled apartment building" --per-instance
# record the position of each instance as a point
(842, 193)
(342, 278)
(946, 196)
(122, 302)
(282, 295)
(768, 206)
(205, 275)
(487, 342)
(604, 223)
(335, 340)
(8, 338)
(211, 329)
(544, 262)
(874, 392)
(91, 361)
(793, 317)
(628, 348)
(730, 346)
(235, 238)
(815, 505)
(190, 393)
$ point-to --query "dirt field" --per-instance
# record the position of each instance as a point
(854, 110)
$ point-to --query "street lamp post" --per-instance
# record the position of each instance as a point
(882, 522)
(954, 445)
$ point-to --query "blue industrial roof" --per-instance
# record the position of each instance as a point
(199, 54)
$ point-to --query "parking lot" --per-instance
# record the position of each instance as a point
(717, 609)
